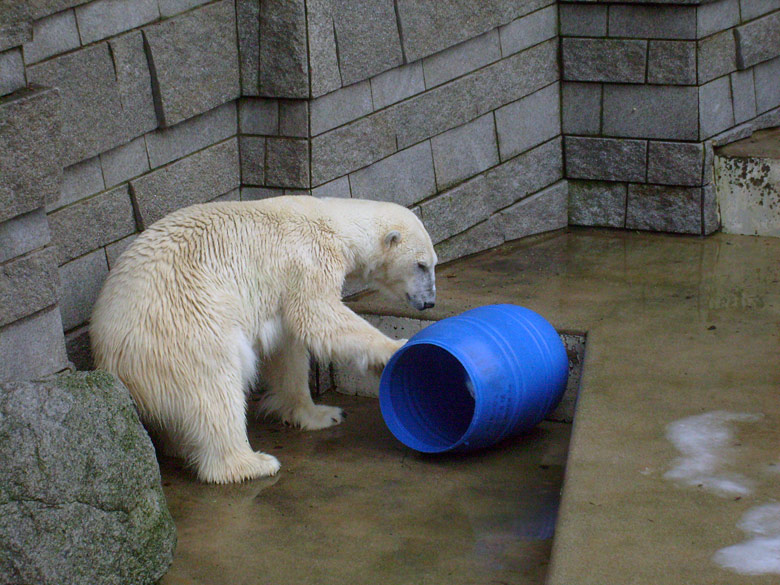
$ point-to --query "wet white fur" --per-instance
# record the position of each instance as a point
(209, 294)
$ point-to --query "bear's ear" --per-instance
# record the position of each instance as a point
(392, 238)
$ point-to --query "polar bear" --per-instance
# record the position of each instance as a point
(211, 293)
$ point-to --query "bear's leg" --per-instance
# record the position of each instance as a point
(286, 372)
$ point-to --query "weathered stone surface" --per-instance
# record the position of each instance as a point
(652, 22)
(597, 203)
(583, 20)
(352, 147)
(758, 40)
(248, 35)
(32, 347)
(528, 122)
(751, 9)
(114, 251)
(252, 150)
(454, 211)
(168, 144)
(195, 179)
(15, 24)
(671, 62)
(651, 111)
(340, 107)
(609, 60)
(105, 18)
(481, 237)
(42, 8)
(404, 178)
(581, 108)
(92, 223)
(713, 17)
(716, 112)
(258, 116)
(464, 151)
(30, 151)
(134, 82)
(323, 55)
(52, 35)
(171, 7)
(23, 234)
(284, 61)
(397, 84)
(338, 188)
(675, 163)
(28, 284)
(80, 283)
(125, 162)
(606, 159)
(530, 30)
(664, 209)
(542, 212)
(187, 83)
(254, 193)
(79, 181)
(430, 27)
(11, 72)
(767, 80)
(743, 94)
(717, 56)
(461, 59)
(294, 118)
(79, 475)
(368, 38)
(287, 163)
(710, 210)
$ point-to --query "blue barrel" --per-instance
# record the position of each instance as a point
(471, 380)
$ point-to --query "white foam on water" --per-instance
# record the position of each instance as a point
(705, 442)
(760, 554)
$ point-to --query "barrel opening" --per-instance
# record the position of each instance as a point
(432, 394)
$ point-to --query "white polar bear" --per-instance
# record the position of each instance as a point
(209, 293)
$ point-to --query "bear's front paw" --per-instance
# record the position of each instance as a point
(318, 416)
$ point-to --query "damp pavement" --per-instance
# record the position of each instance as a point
(672, 473)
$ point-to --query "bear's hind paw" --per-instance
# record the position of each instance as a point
(239, 468)
(319, 416)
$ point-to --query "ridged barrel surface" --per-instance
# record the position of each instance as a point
(471, 380)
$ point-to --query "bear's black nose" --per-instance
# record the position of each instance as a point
(428, 305)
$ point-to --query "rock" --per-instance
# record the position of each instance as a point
(80, 494)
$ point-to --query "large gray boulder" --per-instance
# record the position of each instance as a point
(80, 493)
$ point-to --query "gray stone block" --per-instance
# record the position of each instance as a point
(528, 31)
(188, 83)
(33, 347)
(430, 27)
(29, 131)
(255, 193)
(338, 188)
(168, 144)
(483, 236)
(671, 62)
(258, 116)
(716, 112)
(81, 280)
(134, 82)
(323, 55)
(340, 107)
(456, 210)
(606, 159)
(52, 35)
(404, 178)
(234, 195)
(464, 151)
(651, 111)
(368, 38)
(652, 21)
(41, 8)
(287, 163)
(710, 211)
(106, 18)
(252, 151)
(11, 72)
(528, 122)
(116, 249)
(758, 40)
(284, 61)
(609, 60)
(713, 17)
(172, 7)
(397, 84)
(767, 80)
(717, 56)
(675, 163)
(581, 108)
(23, 234)
(28, 284)
(461, 59)
(583, 20)
(751, 9)
(352, 147)
(743, 93)
(79, 181)
(248, 36)
(195, 179)
(542, 212)
(461, 100)
(92, 223)
(294, 118)
(664, 209)
(597, 203)
(125, 162)
(15, 24)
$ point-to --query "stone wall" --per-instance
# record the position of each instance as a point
(647, 89)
